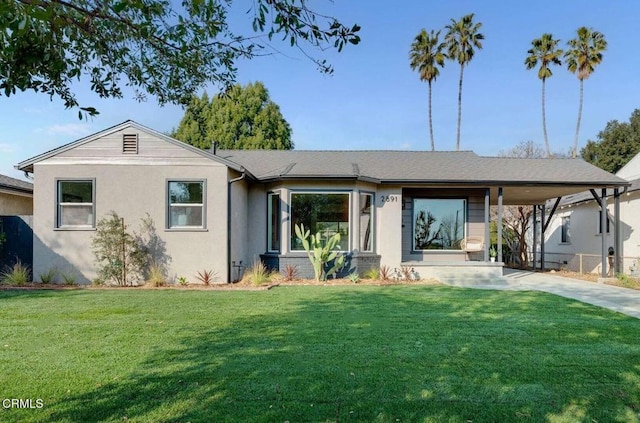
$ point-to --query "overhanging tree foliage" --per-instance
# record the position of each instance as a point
(242, 118)
(155, 46)
(618, 143)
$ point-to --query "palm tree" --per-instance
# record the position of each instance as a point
(461, 39)
(584, 54)
(545, 50)
(426, 55)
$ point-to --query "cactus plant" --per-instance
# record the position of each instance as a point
(319, 255)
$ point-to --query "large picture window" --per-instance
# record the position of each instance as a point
(327, 213)
(76, 204)
(186, 204)
(438, 224)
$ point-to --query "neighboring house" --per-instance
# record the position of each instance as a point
(574, 238)
(16, 197)
(16, 208)
(223, 210)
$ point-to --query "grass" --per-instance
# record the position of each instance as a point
(316, 353)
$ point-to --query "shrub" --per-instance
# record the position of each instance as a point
(258, 274)
(69, 277)
(321, 252)
(354, 277)
(206, 276)
(18, 274)
(290, 272)
(385, 273)
(372, 274)
(183, 281)
(156, 275)
(48, 276)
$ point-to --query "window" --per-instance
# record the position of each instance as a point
(76, 204)
(326, 213)
(186, 204)
(273, 231)
(366, 222)
(439, 224)
(600, 222)
(565, 230)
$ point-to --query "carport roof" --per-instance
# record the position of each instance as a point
(524, 181)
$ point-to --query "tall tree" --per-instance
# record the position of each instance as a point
(582, 57)
(165, 48)
(545, 51)
(241, 118)
(616, 144)
(462, 39)
(427, 55)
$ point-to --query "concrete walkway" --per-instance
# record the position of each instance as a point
(623, 300)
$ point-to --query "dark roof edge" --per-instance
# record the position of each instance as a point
(27, 164)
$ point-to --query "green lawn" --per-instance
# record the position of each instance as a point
(316, 353)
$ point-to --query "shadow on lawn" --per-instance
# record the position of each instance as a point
(386, 354)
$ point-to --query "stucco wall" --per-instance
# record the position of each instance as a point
(584, 236)
(11, 204)
(132, 185)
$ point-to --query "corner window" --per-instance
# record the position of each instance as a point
(366, 222)
(326, 213)
(565, 230)
(439, 224)
(186, 204)
(76, 204)
(273, 231)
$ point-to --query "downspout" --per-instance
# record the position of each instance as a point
(229, 269)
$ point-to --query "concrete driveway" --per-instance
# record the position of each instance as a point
(623, 300)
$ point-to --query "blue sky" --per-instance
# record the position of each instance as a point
(375, 101)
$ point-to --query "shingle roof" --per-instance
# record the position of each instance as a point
(417, 166)
(13, 184)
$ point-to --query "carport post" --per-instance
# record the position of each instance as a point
(535, 235)
(487, 232)
(616, 233)
(499, 225)
(603, 230)
(542, 210)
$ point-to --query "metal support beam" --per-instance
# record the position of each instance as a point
(603, 231)
(487, 232)
(553, 210)
(499, 225)
(535, 235)
(617, 240)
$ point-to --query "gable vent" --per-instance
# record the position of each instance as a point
(130, 143)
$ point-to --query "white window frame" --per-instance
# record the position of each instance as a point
(270, 196)
(91, 222)
(371, 223)
(565, 230)
(203, 205)
(325, 192)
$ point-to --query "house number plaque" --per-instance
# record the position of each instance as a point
(389, 199)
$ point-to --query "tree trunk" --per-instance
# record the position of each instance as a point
(544, 123)
(575, 141)
(433, 143)
(459, 107)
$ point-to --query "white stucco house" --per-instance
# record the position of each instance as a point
(574, 239)
(224, 209)
(16, 197)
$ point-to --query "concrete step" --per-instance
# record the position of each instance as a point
(472, 280)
